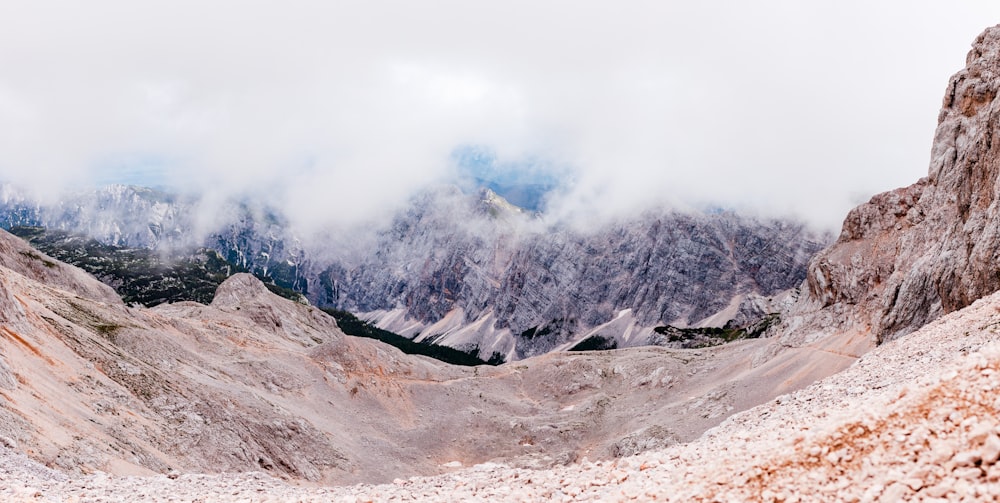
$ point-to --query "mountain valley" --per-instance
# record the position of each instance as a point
(868, 370)
(305, 401)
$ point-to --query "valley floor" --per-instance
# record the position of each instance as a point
(915, 419)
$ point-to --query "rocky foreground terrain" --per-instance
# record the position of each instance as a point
(913, 419)
(882, 382)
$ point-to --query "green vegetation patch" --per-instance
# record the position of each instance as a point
(712, 336)
(34, 256)
(595, 343)
(141, 276)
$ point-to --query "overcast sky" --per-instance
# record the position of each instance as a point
(337, 109)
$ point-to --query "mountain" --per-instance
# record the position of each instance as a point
(255, 382)
(516, 285)
(118, 215)
(909, 255)
(526, 184)
(476, 272)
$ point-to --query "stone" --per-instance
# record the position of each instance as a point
(990, 451)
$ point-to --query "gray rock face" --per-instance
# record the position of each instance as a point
(912, 254)
(547, 284)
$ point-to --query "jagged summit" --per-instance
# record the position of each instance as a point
(498, 206)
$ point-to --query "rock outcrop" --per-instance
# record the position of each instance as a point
(910, 255)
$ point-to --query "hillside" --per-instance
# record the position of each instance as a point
(149, 278)
(253, 381)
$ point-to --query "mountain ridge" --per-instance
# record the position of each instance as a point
(479, 261)
(910, 255)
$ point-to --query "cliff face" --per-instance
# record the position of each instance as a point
(912, 254)
(116, 215)
(539, 287)
(451, 262)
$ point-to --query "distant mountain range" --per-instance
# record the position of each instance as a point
(473, 271)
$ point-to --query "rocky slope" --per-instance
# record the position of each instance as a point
(524, 287)
(913, 420)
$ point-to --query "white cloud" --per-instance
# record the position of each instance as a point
(337, 110)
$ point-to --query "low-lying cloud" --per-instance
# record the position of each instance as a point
(338, 111)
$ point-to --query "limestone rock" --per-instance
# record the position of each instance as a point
(912, 254)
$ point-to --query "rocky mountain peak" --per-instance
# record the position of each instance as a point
(497, 205)
(237, 290)
(246, 296)
(909, 255)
